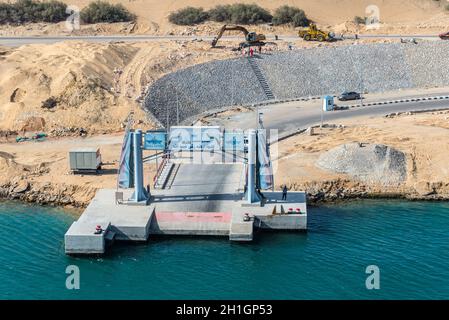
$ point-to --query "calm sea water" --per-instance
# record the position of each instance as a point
(408, 241)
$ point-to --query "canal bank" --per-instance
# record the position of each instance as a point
(34, 176)
(318, 192)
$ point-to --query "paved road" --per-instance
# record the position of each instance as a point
(291, 116)
(19, 41)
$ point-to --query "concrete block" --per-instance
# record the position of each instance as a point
(241, 230)
(282, 222)
(191, 223)
(81, 238)
(122, 221)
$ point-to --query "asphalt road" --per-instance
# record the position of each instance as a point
(19, 41)
(288, 117)
(212, 187)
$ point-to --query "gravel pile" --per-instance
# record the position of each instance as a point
(370, 163)
(300, 73)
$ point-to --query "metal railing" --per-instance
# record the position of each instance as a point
(165, 159)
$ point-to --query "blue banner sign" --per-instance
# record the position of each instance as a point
(155, 140)
(234, 141)
(195, 138)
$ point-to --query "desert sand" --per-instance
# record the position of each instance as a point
(321, 11)
(95, 85)
(396, 16)
(422, 137)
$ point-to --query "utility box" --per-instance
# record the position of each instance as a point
(328, 103)
(85, 160)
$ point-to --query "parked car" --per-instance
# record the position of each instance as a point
(349, 95)
(444, 36)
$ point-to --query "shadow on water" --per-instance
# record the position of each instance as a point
(261, 238)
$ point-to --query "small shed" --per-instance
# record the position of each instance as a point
(328, 103)
(85, 160)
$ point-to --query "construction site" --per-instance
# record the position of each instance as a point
(213, 181)
(100, 92)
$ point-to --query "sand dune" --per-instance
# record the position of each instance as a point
(396, 16)
(95, 85)
(323, 11)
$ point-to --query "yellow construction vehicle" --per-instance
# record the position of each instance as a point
(252, 39)
(313, 33)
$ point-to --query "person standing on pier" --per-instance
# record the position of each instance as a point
(284, 192)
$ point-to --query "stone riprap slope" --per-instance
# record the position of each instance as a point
(370, 163)
(322, 71)
(203, 87)
(300, 73)
(429, 64)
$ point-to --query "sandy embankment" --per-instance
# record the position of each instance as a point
(38, 172)
(90, 99)
(422, 137)
(95, 85)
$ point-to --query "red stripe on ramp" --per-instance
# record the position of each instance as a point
(194, 216)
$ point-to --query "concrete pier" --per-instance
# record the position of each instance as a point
(278, 214)
(203, 200)
(119, 222)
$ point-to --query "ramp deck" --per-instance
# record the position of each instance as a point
(202, 200)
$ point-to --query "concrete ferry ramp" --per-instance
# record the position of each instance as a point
(200, 200)
(203, 199)
(202, 188)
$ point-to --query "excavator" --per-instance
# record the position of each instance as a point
(252, 39)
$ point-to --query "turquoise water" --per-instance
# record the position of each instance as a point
(408, 241)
